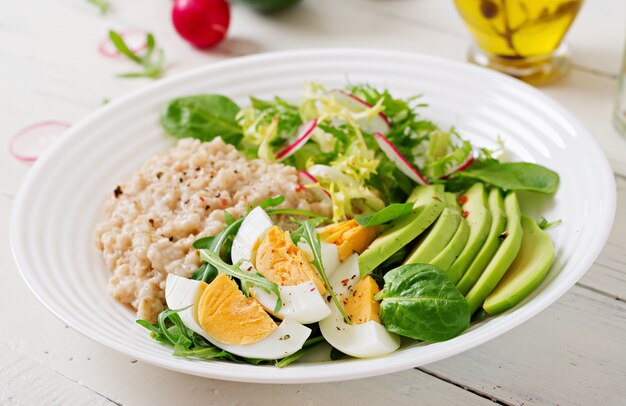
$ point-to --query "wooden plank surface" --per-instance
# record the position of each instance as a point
(572, 353)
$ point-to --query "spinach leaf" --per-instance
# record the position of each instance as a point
(421, 302)
(391, 212)
(515, 176)
(204, 117)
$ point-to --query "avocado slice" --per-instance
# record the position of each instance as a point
(438, 236)
(479, 219)
(449, 254)
(481, 260)
(530, 267)
(428, 203)
(504, 257)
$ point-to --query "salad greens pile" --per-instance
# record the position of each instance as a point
(357, 174)
(334, 138)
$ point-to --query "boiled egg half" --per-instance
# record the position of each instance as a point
(221, 313)
(269, 250)
(365, 337)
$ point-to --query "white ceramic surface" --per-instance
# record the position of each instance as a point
(61, 200)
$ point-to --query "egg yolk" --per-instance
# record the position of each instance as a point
(360, 305)
(230, 317)
(282, 262)
(349, 236)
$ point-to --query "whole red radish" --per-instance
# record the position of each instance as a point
(202, 23)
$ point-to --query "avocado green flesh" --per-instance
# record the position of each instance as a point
(529, 269)
(503, 258)
(449, 254)
(437, 238)
(490, 246)
(428, 203)
(479, 220)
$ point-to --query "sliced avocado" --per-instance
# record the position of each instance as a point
(503, 258)
(449, 254)
(530, 267)
(429, 202)
(480, 262)
(479, 220)
(439, 234)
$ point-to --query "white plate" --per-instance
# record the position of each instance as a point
(61, 200)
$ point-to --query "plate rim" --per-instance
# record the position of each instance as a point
(286, 376)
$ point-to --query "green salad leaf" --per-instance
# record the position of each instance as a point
(514, 176)
(204, 117)
(420, 301)
(391, 212)
(152, 64)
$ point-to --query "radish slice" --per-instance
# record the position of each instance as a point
(306, 178)
(464, 165)
(397, 158)
(31, 141)
(135, 39)
(378, 124)
(304, 133)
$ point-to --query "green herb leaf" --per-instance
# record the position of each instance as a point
(271, 202)
(306, 347)
(545, 224)
(103, 5)
(421, 302)
(307, 232)
(391, 212)
(152, 67)
(204, 117)
(228, 218)
(251, 277)
(515, 176)
(203, 243)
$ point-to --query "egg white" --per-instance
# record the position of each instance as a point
(289, 336)
(365, 340)
(302, 302)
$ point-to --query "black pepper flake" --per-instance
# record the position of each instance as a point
(184, 173)
(118, 191)
(151, 221)
(337, 327)
(504, 235)
(180, 180)
(159, 174)
(171, 239)
(218, 194)
(197, 168)
(328, 299)
(285, 337)
(186, 201)
(207, 207)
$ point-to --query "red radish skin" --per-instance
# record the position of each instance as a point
(401, 162)
(108, 50)
(42, 133)
(202, 23)
(460, 168)
(307, 179)
(379, 124)
(303, 134)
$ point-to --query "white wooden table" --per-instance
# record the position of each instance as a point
(572, 353)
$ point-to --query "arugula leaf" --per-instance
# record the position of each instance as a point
(391, 212)
(250, 277)
(307, 231)
(203, 243)
(152, 67)
(103, 5)
(306, 347)
(544, 224)
(421, 302)
(204, 117)
(515, 176)
(228, 218)
(271, 202)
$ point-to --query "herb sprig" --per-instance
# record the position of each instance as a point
(250, 277)
(307, 231)
(151, 63)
